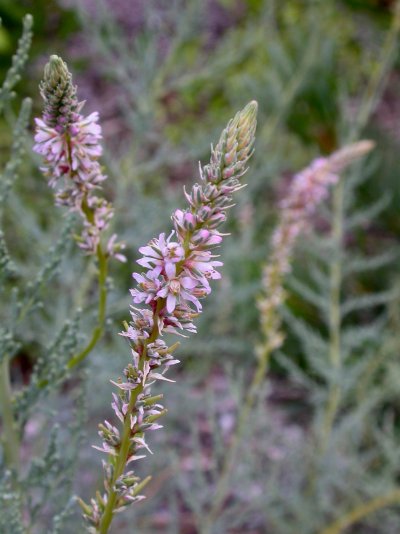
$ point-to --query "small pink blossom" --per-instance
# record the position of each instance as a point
(162, 254)
(70, 145)
(148, 286)
(180, 289)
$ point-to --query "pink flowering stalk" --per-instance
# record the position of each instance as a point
(167, 297)
(308, 190)
(70, 145)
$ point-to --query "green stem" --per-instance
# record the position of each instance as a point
(101, 314)
(102, 259)
(120, 464)
(361, 511)
(335, 355)
(371, 96)
(11, 441)
(122, 457)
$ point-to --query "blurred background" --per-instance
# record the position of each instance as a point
(165, 77)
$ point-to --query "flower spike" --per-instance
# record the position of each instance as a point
(70, 145)
(178, 271)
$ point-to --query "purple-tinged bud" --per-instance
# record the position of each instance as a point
(190, 220)
(204, 213)
(230, 157)
(217, 219)
(59, 94)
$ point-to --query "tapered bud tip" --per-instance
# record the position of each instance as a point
(246, 118)
(56, 71)
(58, 93)
(251, 108)
(28, 20)
(85, 507)
(54, 59)
(363, 147)
(346, 155)
(248, 113)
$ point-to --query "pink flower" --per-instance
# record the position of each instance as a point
(148, 287)
(75, 154)
(70, 144)
(201, 268)
(162, 254)
(180, 289)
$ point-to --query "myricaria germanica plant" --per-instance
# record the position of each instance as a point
(308, 190)
(241, 458)
(70, 144)
(167, 298)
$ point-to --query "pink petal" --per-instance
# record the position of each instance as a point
(171, 303)
(187, 282)
(170, 269)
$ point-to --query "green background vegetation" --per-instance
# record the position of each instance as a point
(165, 77)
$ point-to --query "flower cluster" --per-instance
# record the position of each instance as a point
(177, 275)
(70, 146)
(308, 190)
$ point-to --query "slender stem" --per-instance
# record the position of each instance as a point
(102, 259)
(370, 98)
(335, 355)
(120, 461)
(101, 314)
(11, 441)
(361, 511)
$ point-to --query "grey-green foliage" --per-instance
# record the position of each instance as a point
(36, 324)
(7, 267)
(253, 58)
(49, 481)
(355, 309)
(351, 465)
(301, 73)
(10, 506)
(171, 104)
(54, 256)
(9, 174)
(50, 370)
(19, 60)
(283, 482)
(42, 474)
